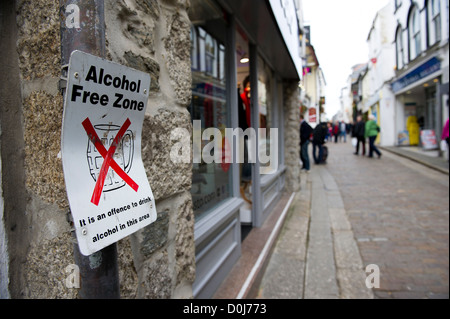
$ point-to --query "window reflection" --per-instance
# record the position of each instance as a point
(210, 181)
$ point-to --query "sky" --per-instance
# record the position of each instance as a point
(339, 30)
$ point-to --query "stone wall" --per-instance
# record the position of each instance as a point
(156, 262)
(44, 248)
(153, 36)
(292, 136)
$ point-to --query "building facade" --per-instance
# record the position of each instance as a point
(312, 87)
(421, 80)
(352, 95)
(406, 82)
(378, 97)
(200, 55)
(246, 64)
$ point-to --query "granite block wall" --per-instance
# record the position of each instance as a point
(148, 35)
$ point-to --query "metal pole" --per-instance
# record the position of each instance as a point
(83, 28)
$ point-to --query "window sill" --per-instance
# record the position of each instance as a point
(207, 225)
(268, 179)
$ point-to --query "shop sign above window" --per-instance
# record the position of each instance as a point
(417, 74)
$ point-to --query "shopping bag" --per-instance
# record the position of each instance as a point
(443, 145)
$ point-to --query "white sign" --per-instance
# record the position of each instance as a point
(286, 17)
(428, 138)
(107, 187)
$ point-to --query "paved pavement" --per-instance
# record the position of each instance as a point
(391, 214)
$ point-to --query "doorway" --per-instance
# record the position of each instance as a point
(244, 114)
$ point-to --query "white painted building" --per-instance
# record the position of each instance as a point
(377, 97)
(407, 69)
(346, 103)
(420, 84)
(353, 94)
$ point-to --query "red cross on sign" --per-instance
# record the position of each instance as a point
(108, 159)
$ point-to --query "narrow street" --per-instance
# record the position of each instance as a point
(389, 212)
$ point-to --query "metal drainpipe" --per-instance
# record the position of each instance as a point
(83, 28)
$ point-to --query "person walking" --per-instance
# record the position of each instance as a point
(371, 131)
(336, 131)
(359, 131)
(343, 131)
(329, 136)
(305, 135)
(319, 133)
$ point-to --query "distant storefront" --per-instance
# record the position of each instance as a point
(418, 94)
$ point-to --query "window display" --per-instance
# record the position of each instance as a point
(210, 181)
(268, 152)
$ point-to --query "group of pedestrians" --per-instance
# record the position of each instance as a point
(317, 136)
(320, 134)
(338, 131)
(363, 130)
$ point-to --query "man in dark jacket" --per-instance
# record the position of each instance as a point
(319, 134)
(358, 132)
(305, 133)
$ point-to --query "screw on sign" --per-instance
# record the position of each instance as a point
(108, 159)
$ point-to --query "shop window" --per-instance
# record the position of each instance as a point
(266, 150)
(430, 108)
(414, 34)
(211, 180)
(194, 49)
(210, 56)
(434, 21)
(399, 48)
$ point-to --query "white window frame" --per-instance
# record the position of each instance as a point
(400, 48)
(434, 21)
(414, 34)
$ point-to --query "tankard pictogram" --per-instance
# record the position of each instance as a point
(123, 155)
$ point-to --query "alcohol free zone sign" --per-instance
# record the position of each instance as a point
(107, 187)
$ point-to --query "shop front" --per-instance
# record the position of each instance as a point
(240, 61)
(418, 105)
